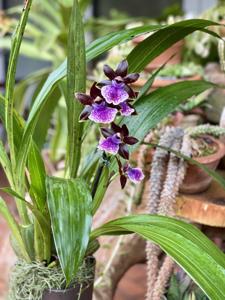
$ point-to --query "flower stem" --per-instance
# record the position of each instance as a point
(98, 175)
(96, 180)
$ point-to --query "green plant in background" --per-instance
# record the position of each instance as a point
(202, 48)
(55, 224)
(181, 70)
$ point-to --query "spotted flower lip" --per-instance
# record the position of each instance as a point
(111, 144)
(101, 113)
(114, 93)
(122, 133)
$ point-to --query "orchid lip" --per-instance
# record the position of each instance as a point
(135, 174)
(102, 114)
(115, 93)
(110, 144)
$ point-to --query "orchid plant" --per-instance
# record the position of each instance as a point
(55, 213)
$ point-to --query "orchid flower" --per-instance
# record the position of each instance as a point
(116, 140)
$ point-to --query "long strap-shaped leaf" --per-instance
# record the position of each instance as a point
(15, 229)
(70, 206)
(195, 253)
(35, 161)
(76, 82)
(161, 40)
(10, 83)
(157, 105)
(10, 78)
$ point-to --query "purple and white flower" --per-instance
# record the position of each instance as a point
(120, 75)
(116, 139)
(127, 172)
(111, 144)
(135, 174)
(96, 109)
(114, 93)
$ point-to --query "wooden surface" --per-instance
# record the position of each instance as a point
(133, 284)
(206, 208)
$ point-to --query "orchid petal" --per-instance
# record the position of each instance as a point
(126, 110)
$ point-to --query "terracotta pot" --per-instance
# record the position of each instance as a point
(160, 82)
(222, 29)
(175, 50)
(196, 180)
(69, 294)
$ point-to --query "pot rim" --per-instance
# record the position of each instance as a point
(215, 156)
(60, 290)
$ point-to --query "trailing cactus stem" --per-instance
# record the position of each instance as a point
(166, 177)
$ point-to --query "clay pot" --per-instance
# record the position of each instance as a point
(222, 29)
(69, 294)
(175, 50)
(160, 82)
(196, 180)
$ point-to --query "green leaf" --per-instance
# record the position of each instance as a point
(43, 124)
(10, 83)
(101, 189)
(70, 205)
(193, 251)
(37, 177)
(110, 40)
(157, 105)
(37, 172)
(76, 82)
(161, 40)
(39, 232)
(6, 164)
(14, 227)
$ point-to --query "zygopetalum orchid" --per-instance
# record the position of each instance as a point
(108, 99)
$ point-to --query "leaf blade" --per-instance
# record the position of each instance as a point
(183, 242)
(70, 205)
(76, 82)
(161, 40)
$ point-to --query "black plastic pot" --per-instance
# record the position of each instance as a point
(69, 294)
(75, 293)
